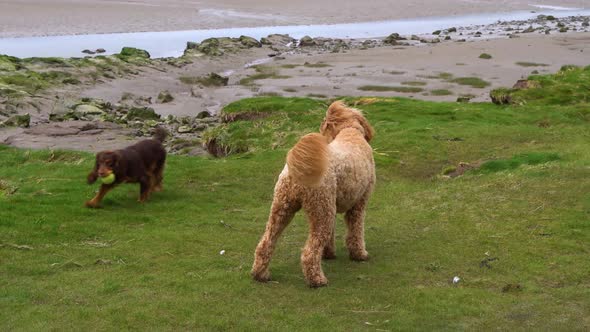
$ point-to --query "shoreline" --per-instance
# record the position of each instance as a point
(172, 43)
(64, 17)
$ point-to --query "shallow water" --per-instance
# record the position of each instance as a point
(172, 43)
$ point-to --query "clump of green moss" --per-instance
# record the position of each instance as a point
(475, 82)
(441, 92)
(382, 88)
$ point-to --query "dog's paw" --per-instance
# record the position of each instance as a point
(359, 256)
(317, 281)
(261, 276)
(91, 204)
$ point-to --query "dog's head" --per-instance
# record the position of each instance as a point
(106, 163)
(339, 117)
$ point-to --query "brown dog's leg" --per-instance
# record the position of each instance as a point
(330, 248)
(321, 224)
(355, 237)
(95, 202)
(144, 188)
(159, 177)
(281, 213)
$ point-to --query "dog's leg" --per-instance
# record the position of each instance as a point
(321, 224)
(330, 248)
(159, 177)
(355, 237)
(144, 188)
(281, 213)
(95, 202)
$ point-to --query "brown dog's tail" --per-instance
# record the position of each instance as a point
(308, 160)
(160, 134)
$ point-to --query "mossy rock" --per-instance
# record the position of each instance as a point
(165, 97)
(307, 41)
(23, 121)
(134, 52)
(142, 113)
(392, 39)
(203, 114)
(249, 42)
(9, 63)
(133, 55)
(211, 47)
(86, 109)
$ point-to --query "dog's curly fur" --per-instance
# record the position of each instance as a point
(326, 173)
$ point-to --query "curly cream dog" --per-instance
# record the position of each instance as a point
(327, 173)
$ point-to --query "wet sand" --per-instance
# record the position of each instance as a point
(19, 18)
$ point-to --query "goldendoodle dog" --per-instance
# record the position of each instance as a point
(327, 173)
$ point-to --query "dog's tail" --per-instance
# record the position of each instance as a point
(160, 134)
(308, 160)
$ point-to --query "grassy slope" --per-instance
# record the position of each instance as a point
(422, 230)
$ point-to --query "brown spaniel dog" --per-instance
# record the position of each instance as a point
(141, 163)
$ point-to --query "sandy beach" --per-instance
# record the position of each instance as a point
(20, 18)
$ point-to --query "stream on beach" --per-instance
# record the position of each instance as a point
(173, 43)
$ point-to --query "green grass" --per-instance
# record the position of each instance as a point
(383, 88)
(474, 82)
(515, 231)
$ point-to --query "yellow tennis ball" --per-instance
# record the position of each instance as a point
(108, 179)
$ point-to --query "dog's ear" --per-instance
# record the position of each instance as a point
(369, 131)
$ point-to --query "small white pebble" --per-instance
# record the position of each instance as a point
(456, 280)
(222, 252)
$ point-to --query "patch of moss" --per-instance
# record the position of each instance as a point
(381, 88)
(441, 92)
(485, 56)
(414, 83)
(531, 64)
(475, 82)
